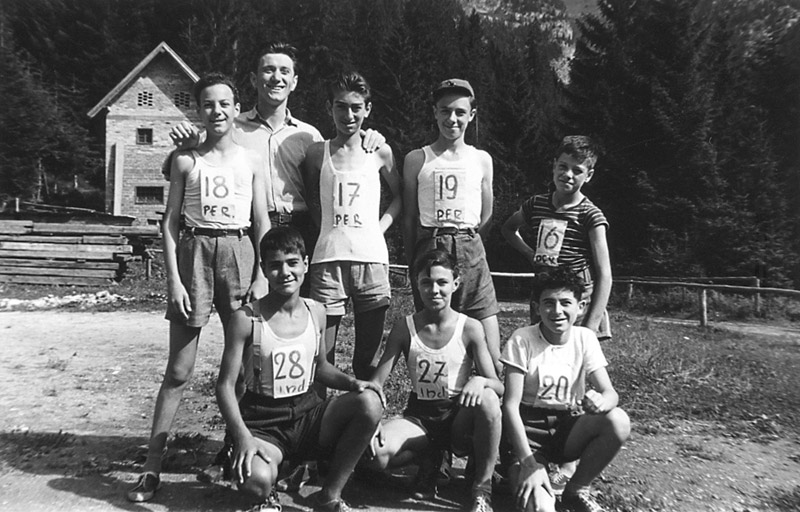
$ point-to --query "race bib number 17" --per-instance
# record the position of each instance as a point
(217, 197)
(348, 201)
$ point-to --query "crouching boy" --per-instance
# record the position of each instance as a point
(547, 365)
(279, 341)
(448, 408)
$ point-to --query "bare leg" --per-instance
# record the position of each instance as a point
(331, 333)
(369, 333)
(596, 439)
(491, 328)
(263, 474)
(477, 429)
(180, 366)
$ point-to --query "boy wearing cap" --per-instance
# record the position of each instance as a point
(447, 193)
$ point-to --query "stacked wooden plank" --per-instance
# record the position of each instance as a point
(66, 253)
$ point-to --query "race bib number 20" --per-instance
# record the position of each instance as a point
(217, 195)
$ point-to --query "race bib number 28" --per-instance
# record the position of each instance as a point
(217, 195)
(291, 371)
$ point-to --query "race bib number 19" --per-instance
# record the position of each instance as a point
(348, 201)
(291, 371)
(548, 242)
(449, 199)
(217, 197)
(432, 379)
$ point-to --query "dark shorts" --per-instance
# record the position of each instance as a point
(547, 431)
(214, 270)
(475, 297)
(291, 424)
(435, 417)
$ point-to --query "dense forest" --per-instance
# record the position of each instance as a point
(696, 103)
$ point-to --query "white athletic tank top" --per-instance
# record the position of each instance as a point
(350, 200)
(219, 197)
(280, 367)
(438, 374)
(449, 192)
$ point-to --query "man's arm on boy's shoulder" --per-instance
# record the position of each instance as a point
(411, 167)
(245, 446)
(511, 233)
(487, 194)
(603, 280)
(532, 474)
(475, 341)
(605, 398)
(310, 168)
(392, 177)
(177, 296)
(261, 224)
(184, 135)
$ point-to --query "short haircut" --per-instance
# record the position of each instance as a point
(557, 279)
(580, 147)
(214, 78)
(280, 47)
(285, 239)
(435, 258)
(349, 81)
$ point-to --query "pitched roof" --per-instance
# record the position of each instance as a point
(161, 48)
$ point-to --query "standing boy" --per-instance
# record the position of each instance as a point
(217, 187)
(547, 367)
(447, 193)
(280, 339)
(449, 408)
(281, 139)
(570, 231)
(351, 260)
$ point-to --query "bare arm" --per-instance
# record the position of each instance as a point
(411, 168)
(607, 398)
(510, 232)
(310, 169)
(603, 280)
(487, 196)
(392, 177)
(176, 293)
(475, 341)
(396, 345)
(261, 225)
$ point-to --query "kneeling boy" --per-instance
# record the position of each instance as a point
(547, 365)
(279, 340)
(449, 407)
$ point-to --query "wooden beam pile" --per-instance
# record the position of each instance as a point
(66, 253)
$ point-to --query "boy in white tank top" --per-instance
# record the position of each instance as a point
(351, 260)
(447, 195)
(217, 187)
(449, 408)
(278, 339)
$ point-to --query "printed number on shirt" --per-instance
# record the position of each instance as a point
(554, 383)
(448, 198)
(348, 201)
(216, 195)
(548, 241)
(432, 379)
(290, 370)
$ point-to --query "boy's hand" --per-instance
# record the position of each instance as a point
(472, 392)
(594, 402)
(179, 300)
(378, 440)
(258, 288)
(533, 479)
(243, 453)
(185, 135)
(372, 140)
(362, 385)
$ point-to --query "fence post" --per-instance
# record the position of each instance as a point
(757, 299)
(630, 292)
(703, 307)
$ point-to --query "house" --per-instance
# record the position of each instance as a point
(140, 111)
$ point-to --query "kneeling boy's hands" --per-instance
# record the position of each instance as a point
(532, 476)
(594, 402)
(363, 385)
(472, 392)
(243, 453)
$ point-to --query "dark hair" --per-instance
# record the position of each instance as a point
(280, 47)
(580, 147)
(349, 81)
(214, 78)
(285, 239)
(556, 279)
(435, 258)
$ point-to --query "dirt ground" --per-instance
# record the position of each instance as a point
(77, 392)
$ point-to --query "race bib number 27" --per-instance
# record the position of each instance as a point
(432, 379)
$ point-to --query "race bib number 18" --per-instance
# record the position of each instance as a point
(217, 195)
(448, 195)
(432, 379)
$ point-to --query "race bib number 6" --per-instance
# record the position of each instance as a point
(291, 371)
(432, 379)
(217, 195)
(449, 199)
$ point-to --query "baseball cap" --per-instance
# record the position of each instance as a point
(453, 84)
